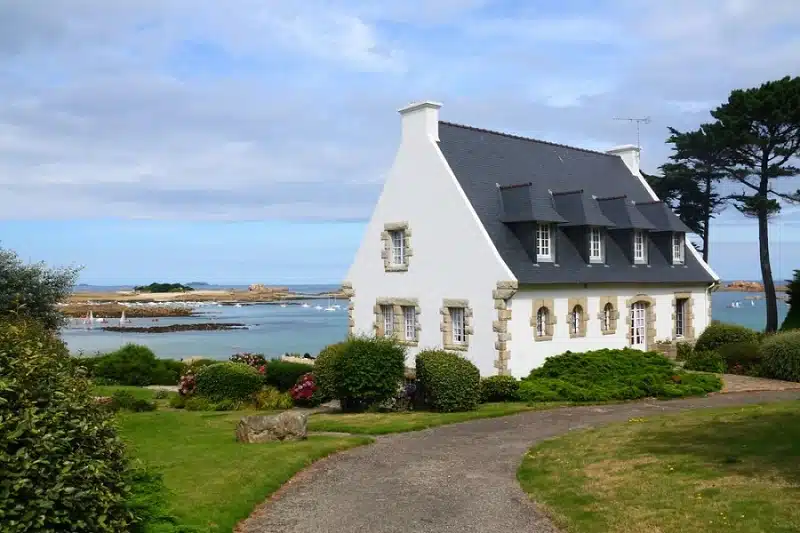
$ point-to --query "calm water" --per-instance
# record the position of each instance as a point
(274, 330)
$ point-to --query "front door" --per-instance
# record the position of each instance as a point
(639, 325)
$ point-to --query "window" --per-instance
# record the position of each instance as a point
(680, 317)
(410, 323)
(609, 315)
(398, 239)
(388, 320)
(458, 325)
(542, 321)
(678, 245)
(576, 321)
(544, 247)
(639, 325)
(639, 247)
(596, 245)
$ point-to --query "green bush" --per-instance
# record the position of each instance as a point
(271, 398)
(168, 372)
(792, 320)
(198, 403)
(228, 381)
(781, 356)
(63, 465)
(368, 371)
(606, 375)
(706, 361)
(325, 371)
(448, 382)
(683, 350)
(178, 401)
(741, 358)
(719, 333)
(123, 399)
(160, 394)
(499, 389)
(284, 374)
(133, 364)
(195, 365)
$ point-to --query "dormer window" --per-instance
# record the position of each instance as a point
(639, 247)
(544, 242)
(596, 245)
(678, 247)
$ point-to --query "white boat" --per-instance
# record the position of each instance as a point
(238, 305)
(122, 319)
(305, 305)
(330, 307)
(283, 305)
(90, 320)
(318, 307)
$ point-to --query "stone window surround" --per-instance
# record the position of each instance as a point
(386, 250)
(549, 304)
(650, 317)
(446, 326)
(688, 316)
(349, 293)
(571, 304)
(605, 300)
(399, 329)
(502, 295)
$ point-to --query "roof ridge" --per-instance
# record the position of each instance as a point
(529, 139)
(515, 185)
(574, 191)
(611, 197)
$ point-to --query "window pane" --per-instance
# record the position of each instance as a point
(410, 319)
(388, 320)
(457, 321)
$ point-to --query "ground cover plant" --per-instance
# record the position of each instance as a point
(731, 470)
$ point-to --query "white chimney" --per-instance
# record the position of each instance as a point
(630, 155)
(421, 118)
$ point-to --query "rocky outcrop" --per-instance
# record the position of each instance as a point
(172, 328)
(288, 425)
(748, 286)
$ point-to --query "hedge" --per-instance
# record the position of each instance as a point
(283, 375)
(448, 382)
(719, 334)
(499, 389)
(228, 381)
(133, 364)
(781, 356)
(367, 371)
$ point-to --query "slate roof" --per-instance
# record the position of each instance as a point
(523, 203)
(486, 163)
(662, 217)
(624, 213)
(580, 209)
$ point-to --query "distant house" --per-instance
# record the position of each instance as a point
(511, 250)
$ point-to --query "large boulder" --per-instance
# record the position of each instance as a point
(288, 425)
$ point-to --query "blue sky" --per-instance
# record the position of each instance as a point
(248, 140)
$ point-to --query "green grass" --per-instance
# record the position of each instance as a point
(732, 470)
(141, 393)
(383, 423)
(213, 480)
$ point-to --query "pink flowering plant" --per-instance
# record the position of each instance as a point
(187, 384)
(303, 391)
(256, 360)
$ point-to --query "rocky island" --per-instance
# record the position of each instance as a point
(172, 328)
(747, 286)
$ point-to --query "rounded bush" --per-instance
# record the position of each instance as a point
(706, 361)
(499, 389)
(63, 466)
(283, 375)
(741, 357)
(448, 381)
(719, 334)
(325, 371)
(133, 364)
(228, 381)
(368, 371)
(781, 356)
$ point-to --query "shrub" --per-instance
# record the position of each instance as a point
(188, 384)
(256, 360)
(706, 361)
(448, 382)
(781, 356)
(792, 320)
(160, 394)
(167, 372)
(63, 465)
(133, 364)
(741, 357)
(196, 364)
(197, 403)
(178, 401)
(123, 399)
(271, 398)
(719, 333)
(149, 503)
(283, 375)
(683, 350)
(499, 389)
(324, 371)
(304, 393)
(368, 371)
(228, 381)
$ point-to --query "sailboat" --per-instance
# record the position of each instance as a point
(122, 319)
(305, 305)
(330, 307)
(90, 320)
(335, 304)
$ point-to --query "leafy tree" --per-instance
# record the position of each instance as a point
(760, 129)
(792, 320)
(33, 290)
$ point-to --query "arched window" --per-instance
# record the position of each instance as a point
(609, 316)
(542, 321)
(576, 321)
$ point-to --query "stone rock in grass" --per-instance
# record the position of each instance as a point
(288, 425)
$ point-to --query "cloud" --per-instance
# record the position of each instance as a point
(273, 109)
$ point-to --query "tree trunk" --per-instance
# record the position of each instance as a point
(706, 223)
(707, 218)
(766, 268)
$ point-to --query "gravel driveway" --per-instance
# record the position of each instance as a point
(459, 478)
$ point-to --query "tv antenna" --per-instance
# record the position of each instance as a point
(639, 122)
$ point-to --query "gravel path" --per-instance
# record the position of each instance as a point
(459, 478)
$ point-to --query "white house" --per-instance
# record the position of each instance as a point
(512, 250)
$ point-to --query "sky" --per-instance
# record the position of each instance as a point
(248, 140)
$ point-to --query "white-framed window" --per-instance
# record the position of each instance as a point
(678, 245)
(608, 317)
(388, 320)
(398, 239)
(410, 323)
(576, 320)
(639, 325)
(639, 247)
(542, 318)
(596, 245)
(458, 325)
(544, 242)
(680, 317)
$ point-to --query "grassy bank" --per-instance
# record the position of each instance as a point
(728, 470)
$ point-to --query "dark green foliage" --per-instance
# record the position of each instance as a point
(123, 399)
(325, 371)
(63, 466)
(31, 291)
(147, 502)
(367, 371)
(605, 375)
(683, 350)
(706, 361)
(228, 381)
(781, 356)
(178, 401)
(792, 320)
(198, 403)
(163, 287)
(499, 389)
(133, 364)
(447, 381)
(719, 333)
(742, 358)
(284, 374)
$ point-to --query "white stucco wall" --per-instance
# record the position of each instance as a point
(527, 353)
(453, 256)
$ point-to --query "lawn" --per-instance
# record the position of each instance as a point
(728, 470)
(383, 423)
(214, 481)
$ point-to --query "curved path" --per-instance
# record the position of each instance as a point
(459, 478)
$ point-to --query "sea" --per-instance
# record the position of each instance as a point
(274, 330)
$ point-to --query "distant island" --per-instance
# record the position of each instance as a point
(198, 284)
(163, 287)
(748, 286)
